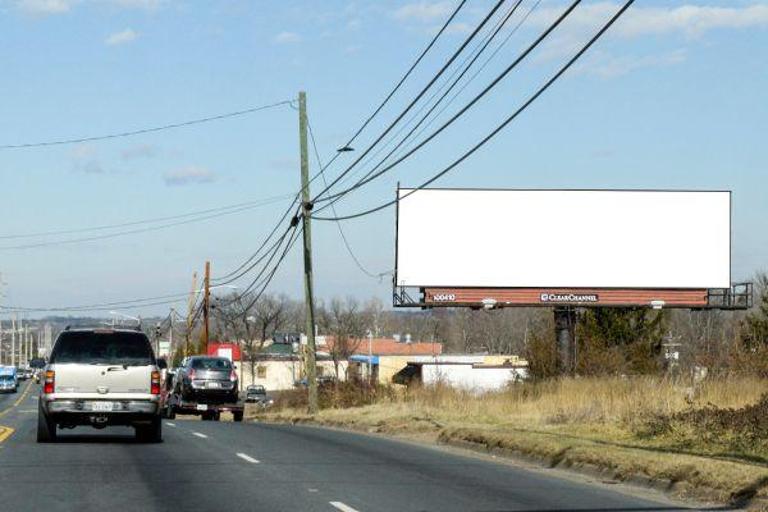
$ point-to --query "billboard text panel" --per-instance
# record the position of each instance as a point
(563, 238)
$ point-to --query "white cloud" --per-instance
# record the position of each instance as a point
(44, 7)
(287, 38)
(122, 37)
(139, 4)
(457, 27)
(50, 7)
(85, 159)
(189, 175)
(689, 20)
(140, 151)
(610, 66)
(424, 12)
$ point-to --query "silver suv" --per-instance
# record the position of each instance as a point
(101, 377)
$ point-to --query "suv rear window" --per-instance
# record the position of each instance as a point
(127, 348)
(211, 364)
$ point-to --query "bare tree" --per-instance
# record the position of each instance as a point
(345, 322)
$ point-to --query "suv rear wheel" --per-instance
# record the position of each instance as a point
(152, 433)
(46, 429)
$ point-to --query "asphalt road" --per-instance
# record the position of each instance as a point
(225, 466)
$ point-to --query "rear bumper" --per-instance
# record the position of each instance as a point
(142, 405)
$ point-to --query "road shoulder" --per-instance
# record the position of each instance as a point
(683, 479)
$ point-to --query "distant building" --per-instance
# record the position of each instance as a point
(476, 373)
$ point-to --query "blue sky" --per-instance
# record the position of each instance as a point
(673, 97)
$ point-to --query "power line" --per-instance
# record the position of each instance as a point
(271, 276)
(442, 70)
(347, 144)
(142, 131)
(154, 220)
(338, 224)
(479, 48)
(499, 127)
(335, 197)
(228, 277)
(466, 66)
(132, 231)
(405, 76)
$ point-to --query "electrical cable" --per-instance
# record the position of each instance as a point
(442, 70)
(107, 227)
(352, 139)
(463, 110)
(481, 45)
(127, 232)
(499, 128)
(228, 277)
(338, 224)
(146, 130)
(456, 79)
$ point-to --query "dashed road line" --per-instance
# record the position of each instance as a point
(247, 458)
(343, 507)
(198, 434)
(170, 424)
(18, 400)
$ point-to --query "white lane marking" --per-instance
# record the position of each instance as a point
(170, 424)
(198, 434)
(341, 506)
(247, 458)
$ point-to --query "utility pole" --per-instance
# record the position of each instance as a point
(206, 305)
(13, 340)
(190, 313)
(306, 209)
(170, 335)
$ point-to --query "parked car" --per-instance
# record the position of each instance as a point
(101, 377)
(207, 379)
(256, 394)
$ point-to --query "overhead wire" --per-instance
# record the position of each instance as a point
(130, 133)
(499, 128)
(454, 80)
(472, 56)
(334, 197)
(106, 227)
(387, 98)
(415, 100)
(338, 224)
(71, 241)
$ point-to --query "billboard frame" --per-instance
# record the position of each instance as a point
(738, 296)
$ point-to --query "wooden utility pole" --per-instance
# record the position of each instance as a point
(306, 209)
(206, 305)
(190, 313)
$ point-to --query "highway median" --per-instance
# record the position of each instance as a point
(705, 441)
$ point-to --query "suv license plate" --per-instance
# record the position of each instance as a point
(202, 407)
(101, 406)
(213, 384)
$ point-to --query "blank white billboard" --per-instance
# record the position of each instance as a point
(563, 238)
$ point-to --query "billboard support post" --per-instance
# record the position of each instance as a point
(565, 334)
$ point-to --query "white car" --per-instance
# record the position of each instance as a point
(101, 377)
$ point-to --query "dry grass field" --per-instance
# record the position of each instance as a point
(711, 438)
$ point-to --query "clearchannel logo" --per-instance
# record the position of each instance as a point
(568, 297)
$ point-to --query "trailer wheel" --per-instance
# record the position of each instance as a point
(216, 416)
(237, 416)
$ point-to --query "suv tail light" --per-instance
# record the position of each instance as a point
(155, 383)
(233, 376)
(50, 380)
